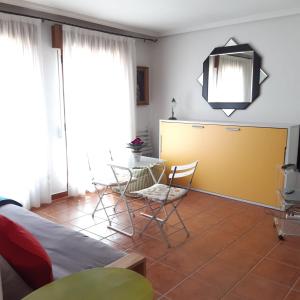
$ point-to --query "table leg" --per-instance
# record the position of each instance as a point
(160, 176)
(162, 173)
(124, 198)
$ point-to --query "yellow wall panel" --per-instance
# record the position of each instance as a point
(241, 162)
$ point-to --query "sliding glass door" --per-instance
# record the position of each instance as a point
(99, 74)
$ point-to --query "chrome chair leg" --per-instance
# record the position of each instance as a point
(160, 224)
(180, 219)
(151, 217)
(116, 205)
(100, 201)
(164, 235)
(100, 196)
(123, 197)
(165, 211)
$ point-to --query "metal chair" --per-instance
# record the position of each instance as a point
(164, 195)
(105, 180)
(104, 186)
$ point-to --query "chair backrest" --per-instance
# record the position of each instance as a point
(99, 168)
(183, 171)
(97, 162)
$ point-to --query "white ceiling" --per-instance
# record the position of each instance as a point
(165, 17)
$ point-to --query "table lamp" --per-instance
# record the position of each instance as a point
(173, 104)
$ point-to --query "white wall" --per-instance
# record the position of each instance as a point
(177, 63)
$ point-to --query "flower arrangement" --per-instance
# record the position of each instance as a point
(136, 145)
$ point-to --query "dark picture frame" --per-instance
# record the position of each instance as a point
(142, 85)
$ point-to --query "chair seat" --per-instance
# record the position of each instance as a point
(158, 192)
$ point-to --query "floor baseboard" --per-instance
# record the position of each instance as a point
(59, 195)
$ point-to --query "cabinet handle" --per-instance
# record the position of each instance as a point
(198, 126)
(233, 128)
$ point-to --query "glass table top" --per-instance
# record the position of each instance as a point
(134, 161)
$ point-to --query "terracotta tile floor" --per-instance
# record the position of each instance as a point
(233, 251)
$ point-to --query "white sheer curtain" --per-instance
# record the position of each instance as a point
(231, 80)
(99, 80)
(24, 165)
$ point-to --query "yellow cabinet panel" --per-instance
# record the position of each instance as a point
(240, 162)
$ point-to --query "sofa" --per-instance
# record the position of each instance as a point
(69, 251)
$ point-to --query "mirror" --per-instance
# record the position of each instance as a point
(231, 77)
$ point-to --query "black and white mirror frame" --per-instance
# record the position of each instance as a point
(258, 76)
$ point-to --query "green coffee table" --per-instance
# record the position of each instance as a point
(96, 284)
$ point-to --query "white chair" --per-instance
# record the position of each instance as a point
(104, 179)
(104, 186)
(164, 195)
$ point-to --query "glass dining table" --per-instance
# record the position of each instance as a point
(128, 164)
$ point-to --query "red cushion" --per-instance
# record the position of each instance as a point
(24, 253)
